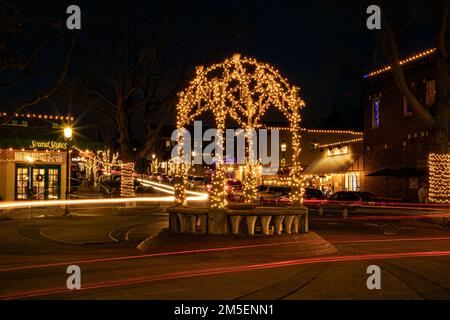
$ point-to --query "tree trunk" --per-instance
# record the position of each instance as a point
(439, 134)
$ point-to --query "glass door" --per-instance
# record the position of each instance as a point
(38, 184)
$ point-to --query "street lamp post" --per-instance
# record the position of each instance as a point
(153, 170)
(283, 150)
(67, 137)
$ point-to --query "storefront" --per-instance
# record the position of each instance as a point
(33, 157)
(32, 174)
(337, 168)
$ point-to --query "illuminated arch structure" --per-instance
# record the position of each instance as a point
(243, 89)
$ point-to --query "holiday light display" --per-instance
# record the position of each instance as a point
(250, 182)
(126, 180)
(244, 89)
(38, 116)
(340, 143)
(439, 178)
(410, 59)
(325, 131)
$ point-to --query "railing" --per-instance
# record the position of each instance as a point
(249, 221)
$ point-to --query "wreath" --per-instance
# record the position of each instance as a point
(39, 177)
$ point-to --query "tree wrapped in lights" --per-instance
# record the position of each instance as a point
(439, 176)
(250, 182)
(126, 180)
(180, 172)
(244, 89)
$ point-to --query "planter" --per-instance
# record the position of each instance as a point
(245, 219)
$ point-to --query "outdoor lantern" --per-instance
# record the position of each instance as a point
(68, 133)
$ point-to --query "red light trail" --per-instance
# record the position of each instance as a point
(218, 249)
(223, 270)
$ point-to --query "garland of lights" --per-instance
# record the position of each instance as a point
(39, 116)
(340, 143)
(352, 132)
(126, 180)
(439, 178)
(180, 180)
(250, 182)
(402, 62)
(244, 89)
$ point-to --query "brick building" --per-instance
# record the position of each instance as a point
(394, 136)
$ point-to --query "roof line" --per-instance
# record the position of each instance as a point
(410, 59)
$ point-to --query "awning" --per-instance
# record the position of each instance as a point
(329, 165)
(404, 172)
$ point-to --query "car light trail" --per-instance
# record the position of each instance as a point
(196, 196)
(218, 249)
(224, 270)
(50, 203)
(384, 217)
(168, 188)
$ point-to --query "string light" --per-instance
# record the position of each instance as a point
(38, 116)
(352, 132)
(402, 62)
(126, 180)
(243, 89)
(340, 143)
(250, 189)
(439, 178)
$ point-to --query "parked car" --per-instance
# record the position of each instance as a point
(234, 190)
(274, 194)
(313, 194)
(342, 202)
(347, 204)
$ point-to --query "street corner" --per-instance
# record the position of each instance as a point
(300, 245)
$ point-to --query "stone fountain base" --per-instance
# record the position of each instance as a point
(248, 219)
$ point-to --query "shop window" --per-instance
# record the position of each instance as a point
(352, 182)
(22, 183)
(53, 184)
(376, 112)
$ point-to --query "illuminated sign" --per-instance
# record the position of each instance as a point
(50, 145)
(338, 151)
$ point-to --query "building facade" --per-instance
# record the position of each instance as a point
(33, 157)
(394, 136)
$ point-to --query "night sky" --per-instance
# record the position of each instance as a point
(321, 46)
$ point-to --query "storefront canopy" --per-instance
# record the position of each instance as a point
(329, 165)
(404, 172)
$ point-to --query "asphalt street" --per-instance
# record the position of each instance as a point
(329, 263)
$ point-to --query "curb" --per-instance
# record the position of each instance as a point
(317, 246)
(42, 233)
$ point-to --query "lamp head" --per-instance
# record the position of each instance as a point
(68, 133)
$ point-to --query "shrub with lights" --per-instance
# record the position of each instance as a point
(243, 89)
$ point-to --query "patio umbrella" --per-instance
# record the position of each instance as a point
(407, 172)
(386, 172)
